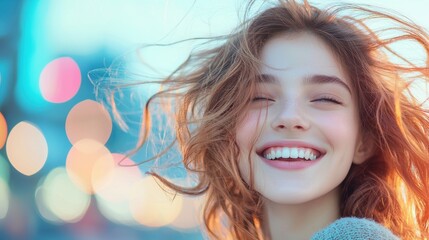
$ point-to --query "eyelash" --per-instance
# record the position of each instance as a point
(322, 99)
(255, 99)
(327, 99)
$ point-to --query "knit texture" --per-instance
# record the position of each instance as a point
(352, 228)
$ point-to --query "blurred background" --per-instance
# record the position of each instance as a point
(60, 176)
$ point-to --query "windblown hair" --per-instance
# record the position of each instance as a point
(213, 88)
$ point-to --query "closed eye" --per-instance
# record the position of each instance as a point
(256, 99)
(327, 100)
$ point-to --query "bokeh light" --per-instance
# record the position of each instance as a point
(89, 164)
(119, 181)
(4, 169)
(190, 216)
(88, 119)
(43, 209)
(4, 198)
(113, 196)
(60, 80)
(26, 148)
(152, 206)
(117, 212)
(63, 197)
(3, 130)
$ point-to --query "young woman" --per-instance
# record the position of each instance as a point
(301, 125)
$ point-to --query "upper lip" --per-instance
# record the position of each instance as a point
(289, 143)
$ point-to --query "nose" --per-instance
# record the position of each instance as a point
(290, 117)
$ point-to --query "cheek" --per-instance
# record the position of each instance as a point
(246, 130)
(341, 128)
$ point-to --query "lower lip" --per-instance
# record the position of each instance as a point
(290, 165)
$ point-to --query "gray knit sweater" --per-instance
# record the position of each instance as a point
(352, 228)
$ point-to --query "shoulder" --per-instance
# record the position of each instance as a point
(355, 229)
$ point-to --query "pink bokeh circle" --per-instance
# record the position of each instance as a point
(60, 80)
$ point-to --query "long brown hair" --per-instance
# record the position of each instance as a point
(212, 89)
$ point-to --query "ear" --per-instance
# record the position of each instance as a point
(365, 148)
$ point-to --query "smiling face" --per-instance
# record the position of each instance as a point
(306, 121)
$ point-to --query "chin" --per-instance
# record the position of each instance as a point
(288, 198)
(298, 196)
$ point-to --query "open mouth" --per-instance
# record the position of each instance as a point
(290, 154)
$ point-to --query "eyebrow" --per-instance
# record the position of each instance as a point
(312, 79)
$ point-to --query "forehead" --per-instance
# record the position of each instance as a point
(299, 52)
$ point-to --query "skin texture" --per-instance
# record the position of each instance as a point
(290, 110)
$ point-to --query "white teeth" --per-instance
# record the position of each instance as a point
(301, 153)
(294, 153)
(279, 153)
(307, 154)
(286, 153)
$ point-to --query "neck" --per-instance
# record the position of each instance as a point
(300, 221)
